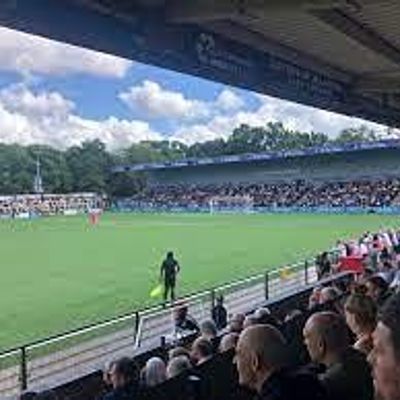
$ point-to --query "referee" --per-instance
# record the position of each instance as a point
(169, 270)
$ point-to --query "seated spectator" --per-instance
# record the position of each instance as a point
(263, 316)
(328, 295)
(177, 366)
(236, 323)
(107, 374)
(377, 289)
(123, 375)
(261, 365)
(385, 356)
(250, 320)
(154, 372)
(178, 351)
(202, 351)
(219, 314)
(360, 313)
(208, 331)
(184, 321)
(347, 374)
(228, 342)
(292, 330)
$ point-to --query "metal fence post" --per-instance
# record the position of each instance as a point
(136, 327)
(266, 285)
(306, 272)
(23, 370)
(213, 299)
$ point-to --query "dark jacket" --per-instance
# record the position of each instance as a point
(350, 378)
(292, 385)
(129, 392)
(220, 316)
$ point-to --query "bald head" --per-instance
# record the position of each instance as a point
(261, 350)
(326, 335)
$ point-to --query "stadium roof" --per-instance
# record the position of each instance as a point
(267, 156)
(340, 55)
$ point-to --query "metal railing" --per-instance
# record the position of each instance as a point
(63, 358)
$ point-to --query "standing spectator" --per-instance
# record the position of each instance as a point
(154, 372)
(261, 364)
(219, 313)
(360, 313)
(324, 265)
(123, 376)
(385, 356)
(347, 374)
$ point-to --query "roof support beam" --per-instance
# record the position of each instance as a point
(377, 85)
(190, 11)
(359, 33)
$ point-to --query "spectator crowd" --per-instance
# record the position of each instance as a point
(378, 193)
(47, 204)
(344, 343)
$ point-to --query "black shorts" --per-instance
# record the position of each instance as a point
(170, 282)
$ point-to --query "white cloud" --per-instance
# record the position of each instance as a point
(48, 118)
(293, 116)
(152, 100)
(28, 117)
(28, 54)
(228, 100)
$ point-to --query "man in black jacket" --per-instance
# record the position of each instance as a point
(346, 373)
(168, 272)
(261, 364)
(123, 376)
(385, 356)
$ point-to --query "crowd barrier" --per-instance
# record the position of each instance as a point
(64, 358)
(124, 206)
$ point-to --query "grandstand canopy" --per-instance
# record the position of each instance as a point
(340, 55)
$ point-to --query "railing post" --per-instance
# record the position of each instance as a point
(266, 285)
(136, 327)
(306, 272)
(213, 299)
(23, 370)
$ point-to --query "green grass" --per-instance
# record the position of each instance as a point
(58, 273)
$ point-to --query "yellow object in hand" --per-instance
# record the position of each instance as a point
(157, 291)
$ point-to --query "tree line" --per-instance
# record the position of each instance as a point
(87, 167)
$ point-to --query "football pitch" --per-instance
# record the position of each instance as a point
(59, 273)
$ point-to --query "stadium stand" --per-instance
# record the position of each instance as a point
(309, 324)
(379, 193)
(28, 205)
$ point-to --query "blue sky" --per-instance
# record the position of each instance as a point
(60, 95)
